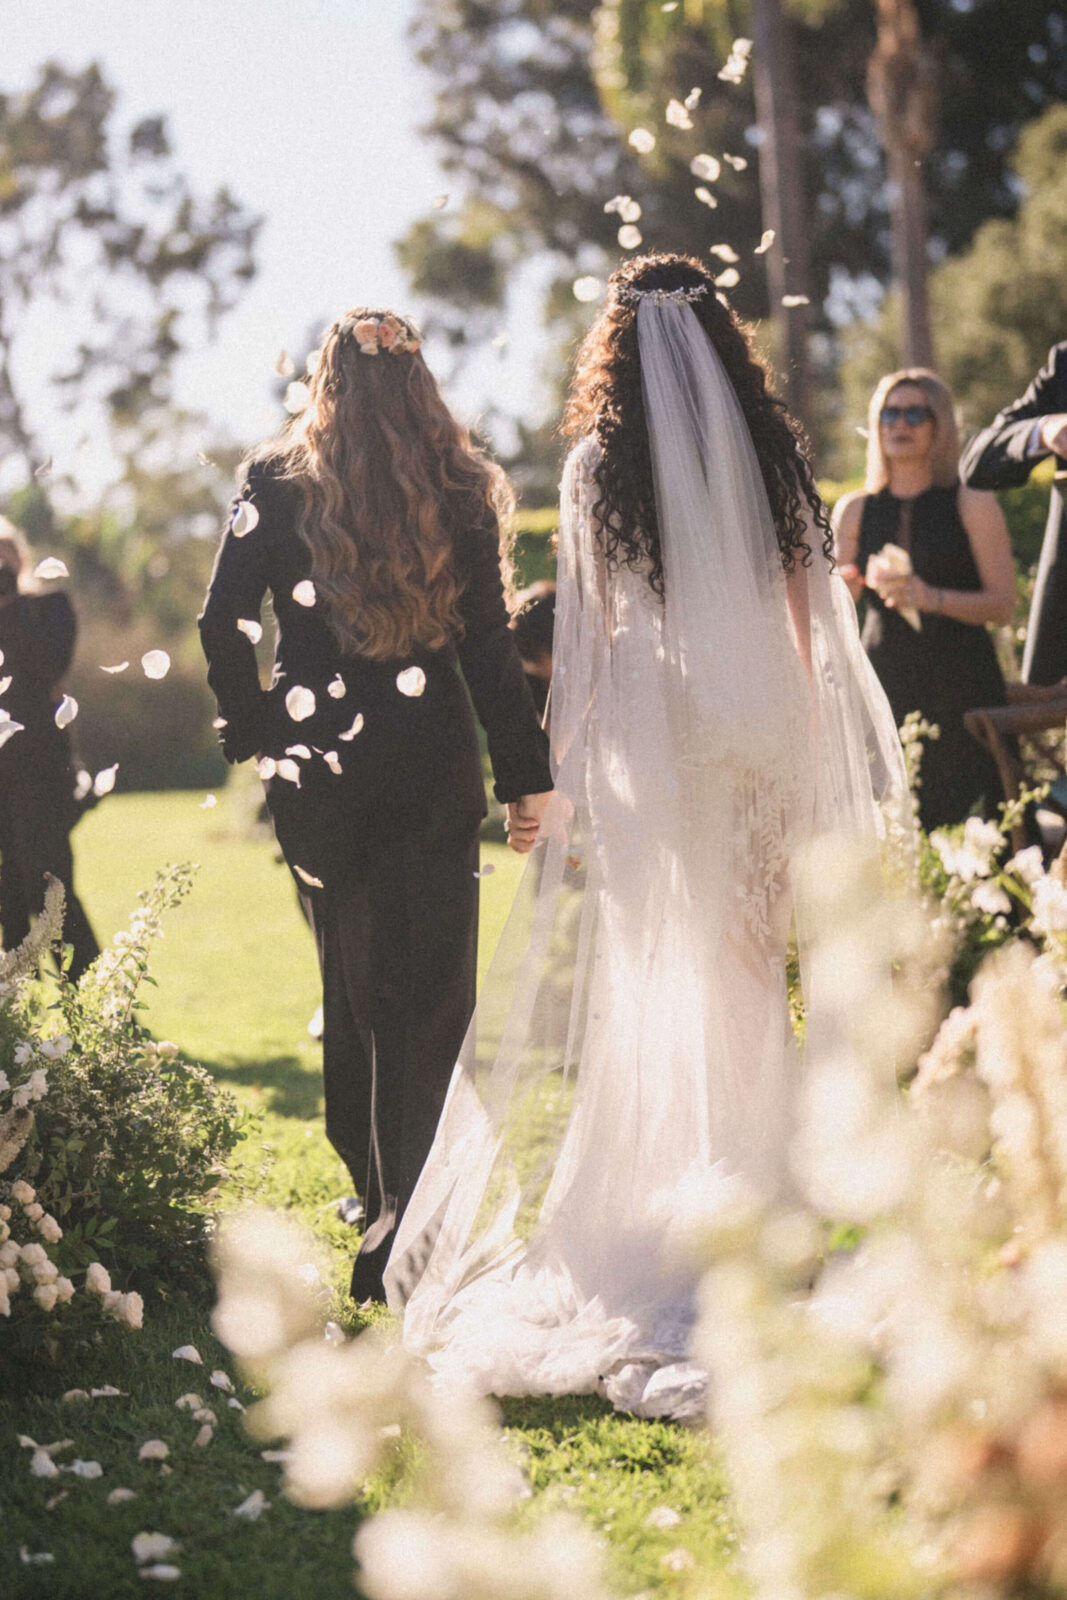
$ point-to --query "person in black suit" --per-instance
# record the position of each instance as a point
(376, 527)
(1002, 456)
(37, 803)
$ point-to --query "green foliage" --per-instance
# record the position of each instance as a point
(130, 1142)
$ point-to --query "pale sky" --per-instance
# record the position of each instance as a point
(307, 110)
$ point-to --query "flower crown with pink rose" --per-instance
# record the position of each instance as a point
(384, 330)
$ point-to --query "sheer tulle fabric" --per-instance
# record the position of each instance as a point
(631, 1057)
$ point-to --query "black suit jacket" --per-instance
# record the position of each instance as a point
(414, 766)
(998, 458)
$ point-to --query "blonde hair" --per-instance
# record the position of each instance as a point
(388, 479)
(13, 534)
(945, 445)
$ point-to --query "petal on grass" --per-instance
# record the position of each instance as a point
(188, 1352)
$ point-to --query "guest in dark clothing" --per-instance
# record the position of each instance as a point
(37, 805)
(926, 625)
(532, 623)
(1002, 456)
(376, 527)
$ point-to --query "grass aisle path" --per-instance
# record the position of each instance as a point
(237, 984)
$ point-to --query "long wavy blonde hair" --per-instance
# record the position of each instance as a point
(945, 444)
(388, 478)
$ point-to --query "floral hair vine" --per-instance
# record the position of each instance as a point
(385, 331)
(632, 294)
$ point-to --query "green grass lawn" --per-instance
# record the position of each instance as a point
(237, 983)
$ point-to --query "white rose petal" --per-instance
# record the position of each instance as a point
(118, 1497)
(737, 162)
(706, 167)
(357, 727)
(795, 300)
(252, 1509)
(677, 115)
(245, 518)
(152, 1547)
(586, 289)
(250, 628)
(629, 236)
(412, 682)
(692, 99)
(725, 252)
(234, 1404)
(297, 396)
(162, 1571)
(486, 871)
(153, 1450)
(336, 688)
(42, 1465)
(266, 767)
(289, 771)
(51, 567)
(104, 781)
(188, 1352)
(66, 711)
(283, 364)
(188, 1402)
(204, 1437)
(643, 141)
(727, 279)
(304, 592)
(108, 1392)
(308, 878)
(74, 1394)
(300, 750)
(221, 1380)
(333, 761)
(766, 240)
(705, 197)
(205, 1414)
(86, 1469)
(155, 663)
(300, 703)
(120, 666)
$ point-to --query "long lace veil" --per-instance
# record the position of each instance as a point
(631, 1049)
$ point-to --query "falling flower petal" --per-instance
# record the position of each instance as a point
(499, 342)
(66, 711)
(669, 5)
(725, 252)
(155, 663)
(411, 682)
(253, 1508)
(205, 461)
(439, 202)
(119, 667)
(308, 878)
(643, 141)
(5, 684)
(692, 99)
(333, 761)
(737, 162)
(104, 781)
(208, 802)
(299, 750)
(250, 628)
(300, 703)
(153, 1450)
(766, 240)
(297, 396)
(221, 1380)
(486, 871)
(586, 289)
(44, 470)
(629, 236)
(706, 197)
(677, 115)
(313, 359)
(283, 364)
(795, 300)
(289, 771)
(737, 62)
(8, 727)
(706, 167)
(188, 1352)
(266, 767)
(304, 592)
(83, 785)
(51, 567)
(357, 727)
(336, 688)
(727, 279)
(118, 1497)
(245, 518)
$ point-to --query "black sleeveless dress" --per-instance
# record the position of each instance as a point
(946, 667)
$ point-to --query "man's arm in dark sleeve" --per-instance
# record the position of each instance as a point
(238, 584)
(1001, 457)
(489, 657)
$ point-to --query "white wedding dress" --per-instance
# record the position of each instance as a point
(631, 1058)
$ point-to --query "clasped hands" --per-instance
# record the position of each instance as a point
(895, 590)
(523, 820)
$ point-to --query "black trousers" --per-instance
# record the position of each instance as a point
(35, 839)
(398, 951)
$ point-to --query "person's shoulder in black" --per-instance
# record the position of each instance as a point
(1003, 455)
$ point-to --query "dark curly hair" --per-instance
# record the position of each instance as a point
(605, 399)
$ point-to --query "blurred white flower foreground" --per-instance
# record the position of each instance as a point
(348, 1407)
(888, 1352)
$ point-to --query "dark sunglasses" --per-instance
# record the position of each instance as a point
(912, 415)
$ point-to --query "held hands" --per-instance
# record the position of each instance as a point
(1054, 433)
(523, 821)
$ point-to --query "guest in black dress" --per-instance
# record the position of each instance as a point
(37, 779)
(961, 579)
(375, 526)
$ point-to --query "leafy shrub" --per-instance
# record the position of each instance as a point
(128, 1147)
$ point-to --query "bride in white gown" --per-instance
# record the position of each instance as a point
(711, 710)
